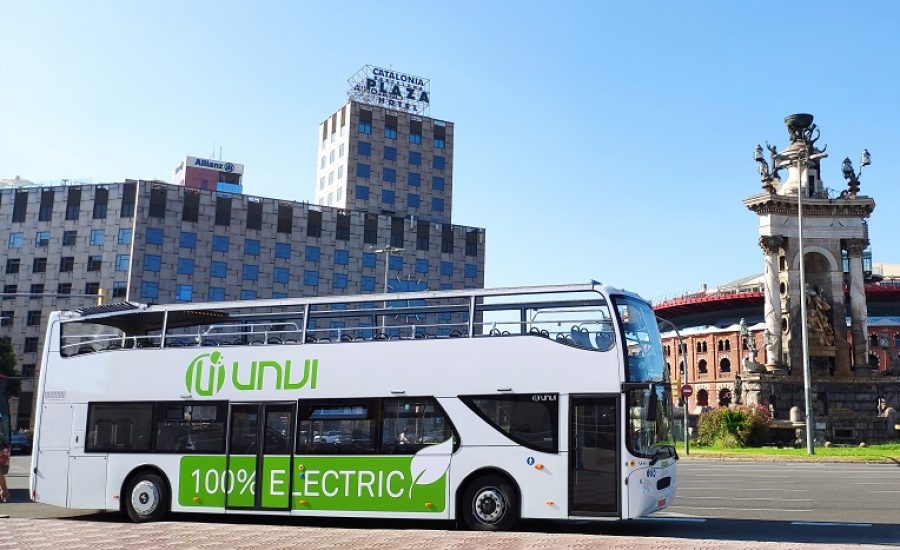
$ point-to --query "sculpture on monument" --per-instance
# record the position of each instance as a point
(819, 322)
(750, 363)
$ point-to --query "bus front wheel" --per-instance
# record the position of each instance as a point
(147, 498)
(489, 504)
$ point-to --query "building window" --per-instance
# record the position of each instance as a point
(368, 259)
(438, 143)
(101, 199)
(701, 366)
(368, 283)
(362, 170)
(415, 138)
(129, 192)
(45, 213)
(220, 243)
(15, 240)
(218, 269)
(421, 265)
(389, 175)
(364, 127)
(20, 206)
(12, 265)
(283, 250)
(285, 218)
(437, 162)
(39, 265)
(92, 288)
(119, 289)
(6, 318)
(184, 293)
(362, 192)
(186, 266)
(248, 294)
(31, 344)
(364, 148)
(150, 290)
(390, 127)
(342, 229)
(390, 153)
(122, 262)
(124, 236)
(254, 215)
(152, 262)
(10, 289)
(41, 239)
(447, 269)
(97, 237)
(314, 224)
(387, 196)
(395, 263)
(340, 281)
(69, 237)
(413, 178)
(223, 211)
(37, 288)
(190, 209)
(471, 243)
(251, 247)
(311, 278)
(437, 204)
(437, 183)
(341, 257)
(157, 202)
(66, 264)
(312, 253)
(470, 271)
(724, 365)
(282, 275)
(250, 272)
(154, 235)
(94, 263)
(702, 398)
(216, 294)
(412, 200)
(73, 204)
(188, 240)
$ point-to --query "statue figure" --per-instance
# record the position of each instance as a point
(749, 362)
(773, 154)
(817, 317)
(892, 416)
(738, 396)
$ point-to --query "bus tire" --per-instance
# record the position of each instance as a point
(489, 503)
(146, 498)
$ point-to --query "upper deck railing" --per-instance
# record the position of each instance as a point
(575, 315)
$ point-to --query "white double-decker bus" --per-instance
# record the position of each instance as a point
(482, 405)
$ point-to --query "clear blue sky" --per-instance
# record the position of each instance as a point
(595, 140)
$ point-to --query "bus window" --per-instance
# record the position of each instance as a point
(411, 423)
(530, 420)
(119, 427)
(190, 427)
(337, 427)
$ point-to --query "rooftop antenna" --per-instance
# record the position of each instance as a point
(220, 152)
(213, 154)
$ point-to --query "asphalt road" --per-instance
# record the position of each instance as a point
(723, 504)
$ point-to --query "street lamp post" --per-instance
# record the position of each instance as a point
(803, 158)
(682, 352)
(386, 250)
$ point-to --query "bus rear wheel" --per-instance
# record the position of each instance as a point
(146, 498)
(489, 504)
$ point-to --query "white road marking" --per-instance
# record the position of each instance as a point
(831, 523)
(884, 491)
(767, 489)
(750, 498)
(676, 518)
(741, 509)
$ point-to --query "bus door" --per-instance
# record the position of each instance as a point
(260, 444)
(593, 455)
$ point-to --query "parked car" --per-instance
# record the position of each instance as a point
(21, 443)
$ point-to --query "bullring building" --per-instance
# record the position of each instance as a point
(156, 242)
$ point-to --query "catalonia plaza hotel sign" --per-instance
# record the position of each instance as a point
(392, 89)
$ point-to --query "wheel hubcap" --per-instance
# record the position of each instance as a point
(489, 505)
(145, 498)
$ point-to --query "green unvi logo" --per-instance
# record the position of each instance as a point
(207, 373)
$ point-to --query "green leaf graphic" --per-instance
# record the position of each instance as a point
(429, 464)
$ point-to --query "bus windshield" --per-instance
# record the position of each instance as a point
(648, 392)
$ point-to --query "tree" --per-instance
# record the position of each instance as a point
(8, 366)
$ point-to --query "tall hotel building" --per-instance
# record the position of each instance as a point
(384, 184)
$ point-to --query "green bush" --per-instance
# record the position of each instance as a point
(735, 426)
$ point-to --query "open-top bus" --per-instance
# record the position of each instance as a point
(481, 405)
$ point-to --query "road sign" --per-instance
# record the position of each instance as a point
(687, 390)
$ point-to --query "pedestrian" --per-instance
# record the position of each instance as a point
(4, 469)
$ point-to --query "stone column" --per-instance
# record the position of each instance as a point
(859, 313)
(770, 247)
